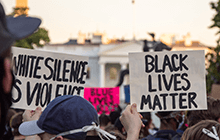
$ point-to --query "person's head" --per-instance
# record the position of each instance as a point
(15, 122)
(10, 114)
(68, 116)
(147, 122)
(199, 130)
(104, 120)
(146, 118)
(170, 120)
(113, 116)
(212, 113)
(11, 29)
(119, 126)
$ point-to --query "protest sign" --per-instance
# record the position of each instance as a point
(42, 76)
(104, 100)
(168, 81)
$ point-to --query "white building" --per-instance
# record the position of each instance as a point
(105, 61)
(83, 50)
(113, 58)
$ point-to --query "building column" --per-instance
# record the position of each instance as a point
(102, 74)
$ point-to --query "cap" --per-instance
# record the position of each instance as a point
(15, 28)
(63, 114)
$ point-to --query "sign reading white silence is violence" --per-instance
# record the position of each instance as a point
(42, 76)
(168, 81)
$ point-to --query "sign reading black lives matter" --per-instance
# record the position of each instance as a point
(42, 76)
(168, 81)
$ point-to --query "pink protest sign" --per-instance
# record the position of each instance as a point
(104, 100)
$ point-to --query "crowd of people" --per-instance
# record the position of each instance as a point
(176, 125)
(73, 117)
(80, 121)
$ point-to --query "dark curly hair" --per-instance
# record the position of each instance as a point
(212, 113)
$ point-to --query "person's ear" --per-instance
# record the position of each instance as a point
(59, 138)
(7, 78)
(219, 120)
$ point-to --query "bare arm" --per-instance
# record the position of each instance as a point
(30, 115)
(131, 121)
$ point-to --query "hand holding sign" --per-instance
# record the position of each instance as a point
(131, 121)
(30, 115)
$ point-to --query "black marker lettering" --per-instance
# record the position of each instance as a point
(176, 82)
(164, 100)
(18, 90)
(55, 70)
(191, 98)
(32, 65)
(149, 63)
(187, 81)
(156, 65)
(167, 86)
(57, 90)
(150, 84)
(49, 67)
(83, 72)
(156, 102)
(167, 63)
(173, 62)
(145, 101)
(181, 62)
(181, 100)
(79, 90)
(173, 100)
(65, 70)
(27, 66)
(30, 95)
(58, 71)
(37, 67)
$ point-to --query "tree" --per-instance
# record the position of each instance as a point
(213, 76)
(216, 19)
(39, 38)
(19, 11)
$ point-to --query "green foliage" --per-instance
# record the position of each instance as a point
(213, 76)
(19, 11)
(216, 20)
(35, 39)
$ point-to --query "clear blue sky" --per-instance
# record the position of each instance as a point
(64, 18)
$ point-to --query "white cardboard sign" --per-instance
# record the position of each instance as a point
(42, 76)
(168, 81)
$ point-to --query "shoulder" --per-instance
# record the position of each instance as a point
(164, 135)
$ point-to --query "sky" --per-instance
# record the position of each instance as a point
(119, 18)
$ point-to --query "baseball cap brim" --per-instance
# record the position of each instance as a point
(22, 26)
(30, 128)
(15, 28)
